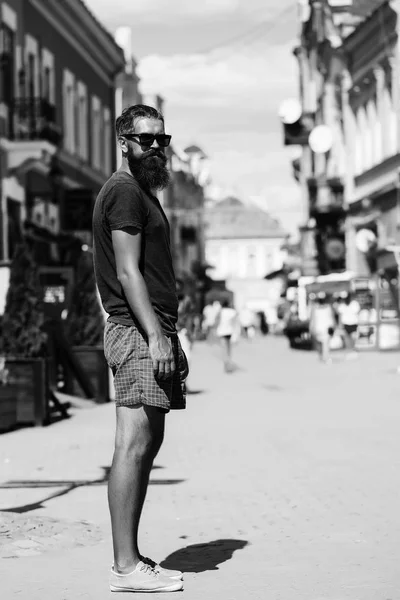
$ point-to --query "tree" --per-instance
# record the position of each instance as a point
(85, 321)
(22, 326)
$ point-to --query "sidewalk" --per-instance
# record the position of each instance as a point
(280, 481)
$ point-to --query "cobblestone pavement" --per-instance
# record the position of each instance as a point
(280, 481)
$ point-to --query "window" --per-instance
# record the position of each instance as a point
(48, 77)
(31, 67)
(46, 84)
(30, 75)
(107, 142)
(69, 112)
(7, 53)
(82, 121)
(96, 134)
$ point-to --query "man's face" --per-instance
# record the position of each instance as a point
(147, 163)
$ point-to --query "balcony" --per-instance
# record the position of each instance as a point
(33, 119)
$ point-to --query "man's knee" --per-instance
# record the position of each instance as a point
(139, 446)
(138, 434)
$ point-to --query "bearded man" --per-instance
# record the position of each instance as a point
(136, 281)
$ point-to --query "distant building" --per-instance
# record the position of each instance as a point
(244, 244)
(127, 92)
(184, 206)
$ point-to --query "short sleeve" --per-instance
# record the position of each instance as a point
(124, 207)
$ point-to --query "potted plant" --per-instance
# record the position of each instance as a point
(23, 341)
(84, 331)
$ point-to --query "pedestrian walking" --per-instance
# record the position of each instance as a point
(247, 322)
(136, 281)
(322, 326)
(210, 316)
(348, 312)
(227, 329)
(185, 324)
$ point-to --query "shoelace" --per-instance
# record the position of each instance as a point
(150, 562)
(148, 570)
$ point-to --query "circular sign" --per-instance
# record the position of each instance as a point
(321, 139)
(335, 249)
(365, 240)
(290, 111)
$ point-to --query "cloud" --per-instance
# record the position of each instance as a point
(168, 10)
(229, 106)
(260, 78)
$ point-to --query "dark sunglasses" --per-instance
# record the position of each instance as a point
(147, 139)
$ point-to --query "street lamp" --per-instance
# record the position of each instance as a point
(321, 139)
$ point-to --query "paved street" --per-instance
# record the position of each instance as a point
(279, 482)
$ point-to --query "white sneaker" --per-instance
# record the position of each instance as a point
(143, 579)
(172, 574)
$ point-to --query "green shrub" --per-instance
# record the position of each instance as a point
(22, 325)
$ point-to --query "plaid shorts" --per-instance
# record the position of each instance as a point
(128, 356)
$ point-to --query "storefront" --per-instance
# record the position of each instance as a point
(378, 297)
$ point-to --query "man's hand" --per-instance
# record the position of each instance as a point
(162, 356)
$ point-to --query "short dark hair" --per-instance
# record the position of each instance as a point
(126, 120)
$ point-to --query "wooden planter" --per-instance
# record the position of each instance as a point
(8, 407)
(29, 376)
(94, 364)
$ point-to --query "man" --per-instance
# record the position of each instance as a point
(137, 286)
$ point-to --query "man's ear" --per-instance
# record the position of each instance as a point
(123, 144)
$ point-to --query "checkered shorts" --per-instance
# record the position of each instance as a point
(128, 356)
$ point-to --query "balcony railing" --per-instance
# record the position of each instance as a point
(33, 119)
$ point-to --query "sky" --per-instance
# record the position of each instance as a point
(223, 68)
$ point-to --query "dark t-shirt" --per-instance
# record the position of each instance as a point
(122, 203)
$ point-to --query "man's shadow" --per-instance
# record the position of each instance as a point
(198, 558)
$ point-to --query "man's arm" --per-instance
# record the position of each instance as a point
(127, 249)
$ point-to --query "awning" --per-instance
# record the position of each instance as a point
(274, 274)
(386, 260)
(328, 287)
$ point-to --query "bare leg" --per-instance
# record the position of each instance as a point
(227, 353)
(325, 349)
(139, 436)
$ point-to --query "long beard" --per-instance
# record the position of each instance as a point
(150, 170)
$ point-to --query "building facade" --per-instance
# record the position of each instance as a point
(57, 107)
(349, 82)
(183, 202)
(243, 245)
(372, 124)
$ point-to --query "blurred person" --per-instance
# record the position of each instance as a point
(348, 312)
(247, 322)
(185, 325)
(272, 320)
(227, 331)
(322, 326)
(263, 323)
(210, 316)
(136, 281)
